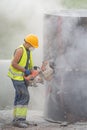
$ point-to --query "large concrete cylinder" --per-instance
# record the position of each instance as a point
(65, 44)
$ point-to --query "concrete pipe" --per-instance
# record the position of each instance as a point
(65, 44)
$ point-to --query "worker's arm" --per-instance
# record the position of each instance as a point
(16, 59)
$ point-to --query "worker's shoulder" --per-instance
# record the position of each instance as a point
(19, 50)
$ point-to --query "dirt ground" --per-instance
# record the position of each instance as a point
(48, 126)
(36, 117)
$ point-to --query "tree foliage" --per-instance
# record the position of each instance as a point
(77, 4)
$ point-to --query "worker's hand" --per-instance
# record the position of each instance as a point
(32, 75)
(27, 72)
(29, 77)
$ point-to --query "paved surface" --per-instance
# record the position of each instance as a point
(37, 117)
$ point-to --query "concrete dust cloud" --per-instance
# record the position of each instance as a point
(19, 18)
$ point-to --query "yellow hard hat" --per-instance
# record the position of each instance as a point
(32, 39)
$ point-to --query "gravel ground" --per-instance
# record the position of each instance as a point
(36, 117)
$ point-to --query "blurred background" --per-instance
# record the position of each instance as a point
(17, 19)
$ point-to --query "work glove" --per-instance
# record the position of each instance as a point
(27, 72)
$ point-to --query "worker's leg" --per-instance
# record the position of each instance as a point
(21, 100)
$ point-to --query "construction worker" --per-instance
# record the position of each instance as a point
(20, 67)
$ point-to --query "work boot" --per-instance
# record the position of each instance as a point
(19, 124)
(26, 122)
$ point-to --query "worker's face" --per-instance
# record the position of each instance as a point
(31, 48)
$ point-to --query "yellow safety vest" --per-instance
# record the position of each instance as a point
(17, 74)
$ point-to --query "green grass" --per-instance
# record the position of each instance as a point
(76, 4)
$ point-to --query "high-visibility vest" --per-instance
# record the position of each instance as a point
(16, 74)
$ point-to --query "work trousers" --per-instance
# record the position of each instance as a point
(21, 100)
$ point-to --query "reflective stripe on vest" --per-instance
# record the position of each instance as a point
(16, 74)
